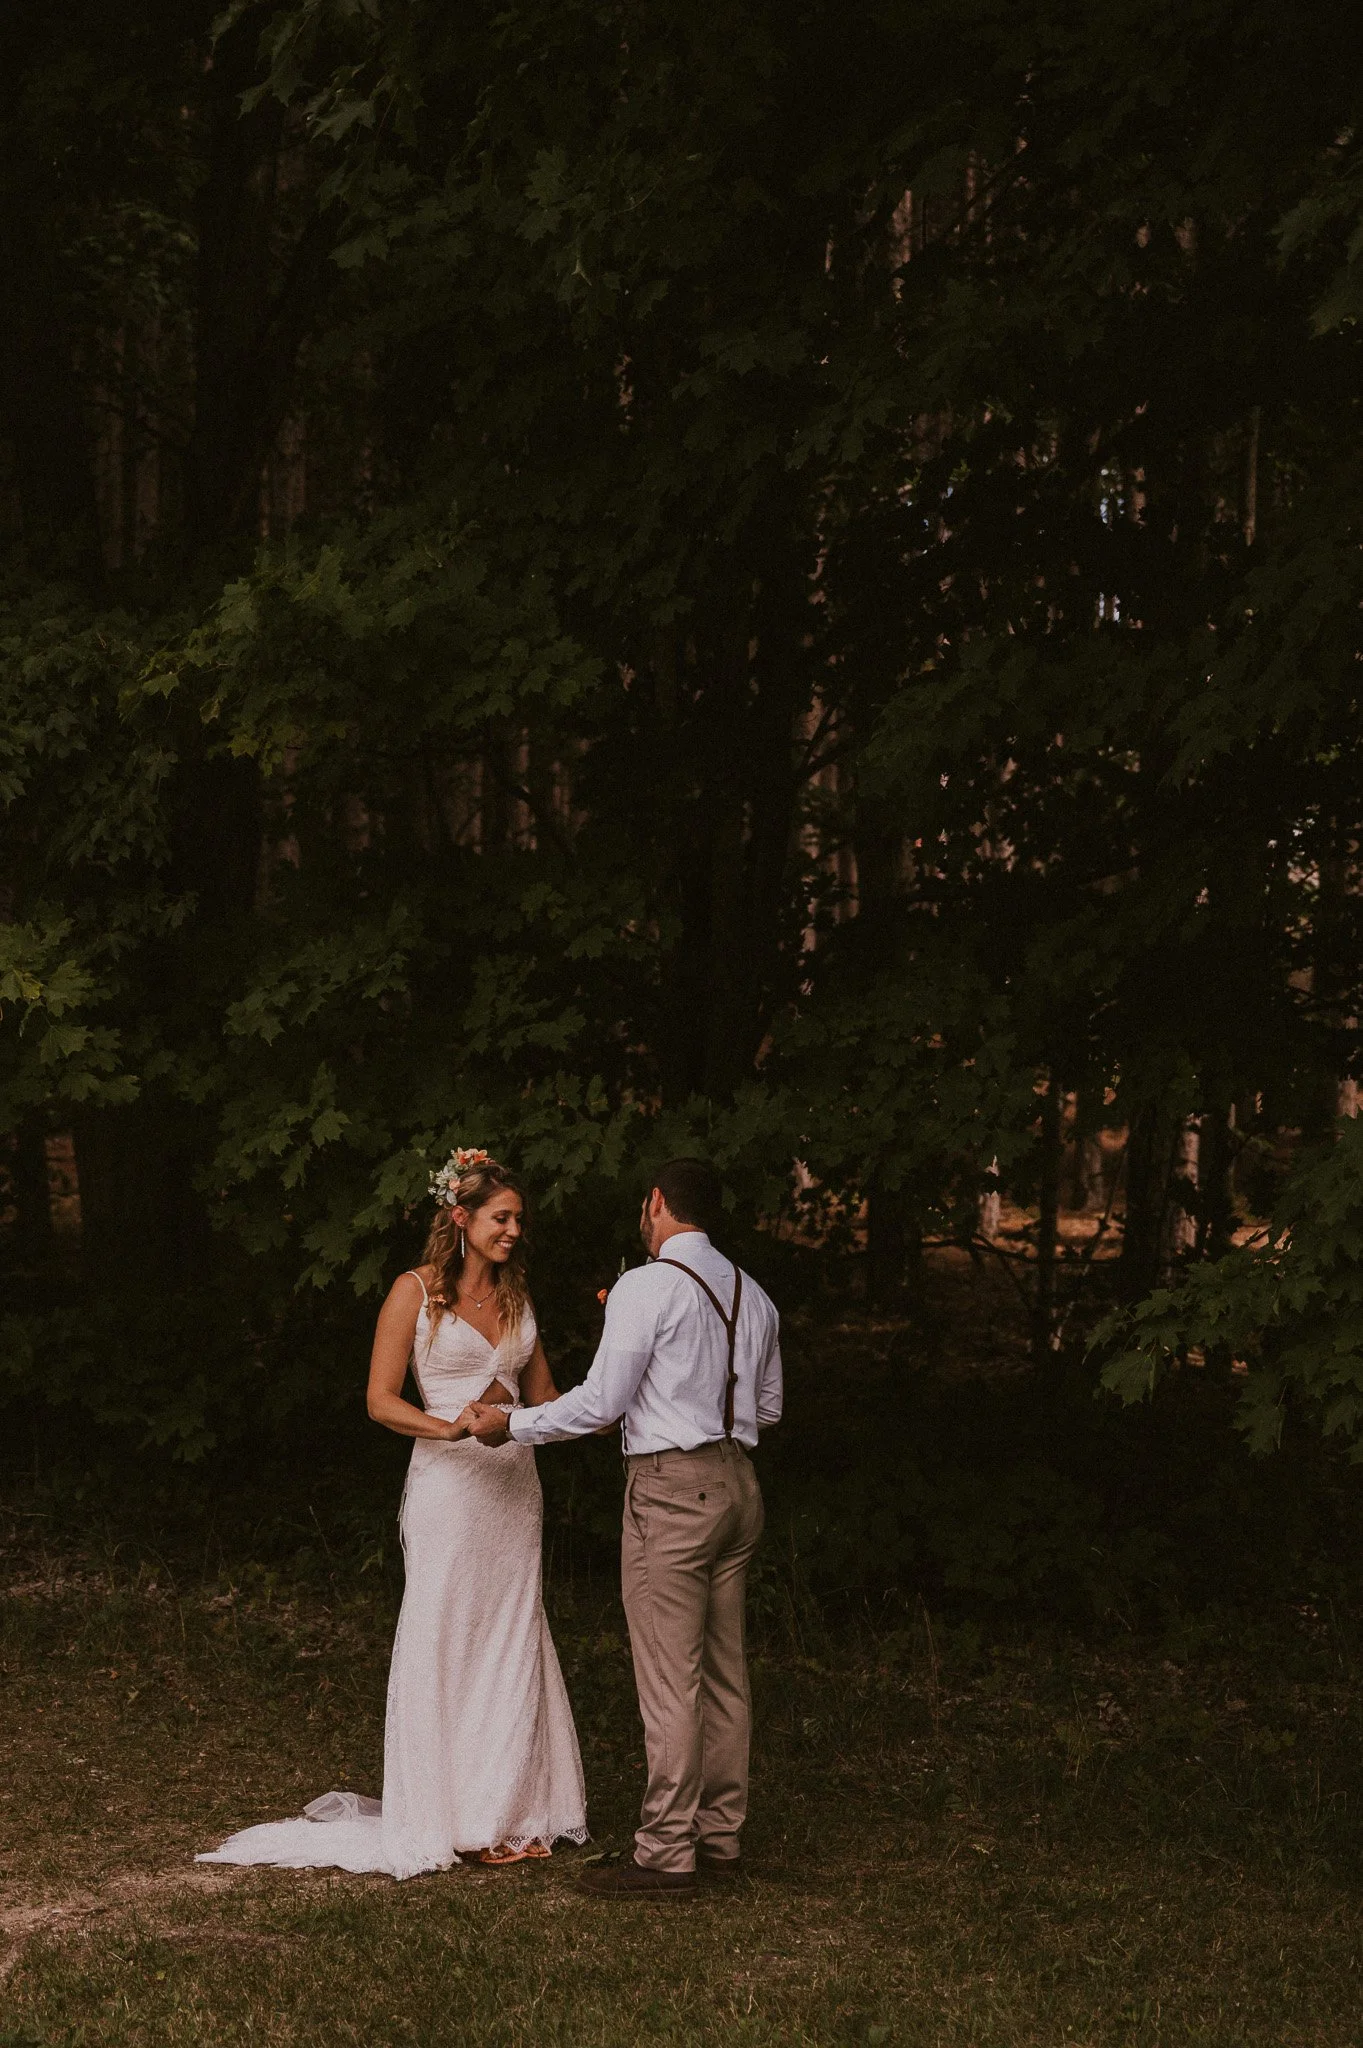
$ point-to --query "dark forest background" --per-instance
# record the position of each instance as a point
(602, 581)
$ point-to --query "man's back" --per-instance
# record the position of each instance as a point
(665, 1339)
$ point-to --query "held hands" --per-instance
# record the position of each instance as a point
(488, 1424)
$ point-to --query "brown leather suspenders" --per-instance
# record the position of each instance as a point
(730, 1323)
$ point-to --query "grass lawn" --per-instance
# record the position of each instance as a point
(953, 1842)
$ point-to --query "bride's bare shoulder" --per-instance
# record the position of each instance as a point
(417, 1281)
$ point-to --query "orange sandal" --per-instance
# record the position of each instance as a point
(503, 1853)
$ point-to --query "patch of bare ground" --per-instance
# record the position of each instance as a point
(151, 1896)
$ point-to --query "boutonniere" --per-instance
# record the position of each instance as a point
(603, 1292)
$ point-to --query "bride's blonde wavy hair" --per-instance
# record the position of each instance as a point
(472, 1189)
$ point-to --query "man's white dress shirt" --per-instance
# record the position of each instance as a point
(663, 1361)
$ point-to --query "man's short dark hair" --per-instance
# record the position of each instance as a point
(692, 1191)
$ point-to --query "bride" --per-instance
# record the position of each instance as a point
(480, 1752)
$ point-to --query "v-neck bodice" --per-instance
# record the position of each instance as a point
(454, 1362)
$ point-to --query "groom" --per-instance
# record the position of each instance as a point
(690, 1365)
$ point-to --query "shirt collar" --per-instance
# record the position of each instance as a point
(684, 1239)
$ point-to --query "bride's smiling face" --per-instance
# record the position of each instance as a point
(494, 1229)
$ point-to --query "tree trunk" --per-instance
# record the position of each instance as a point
(1179, 1231)
(32, 1192)
(142, 1220)
(1086, 1194)
(989, 1212)
(1147, 1177)
(885, 1245)
(1250, 513)
(42, 410)
(1216, 1221)
(1048, 1223)
(256, 306)
(724, 804)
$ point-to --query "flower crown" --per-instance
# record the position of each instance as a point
(445, 1183)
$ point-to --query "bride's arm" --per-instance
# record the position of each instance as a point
(537, 1382)
(388, 1367)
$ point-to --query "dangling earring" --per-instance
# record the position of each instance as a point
(461, 1244)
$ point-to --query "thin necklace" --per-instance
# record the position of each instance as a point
(474, 1299)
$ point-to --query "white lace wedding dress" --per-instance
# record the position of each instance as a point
(479, 1745)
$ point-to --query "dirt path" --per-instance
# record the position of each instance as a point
(148, 1894)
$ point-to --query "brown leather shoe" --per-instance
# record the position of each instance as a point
(635, 1881)
(724, 1867)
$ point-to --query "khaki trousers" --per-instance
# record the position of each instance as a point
(692, 1522)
